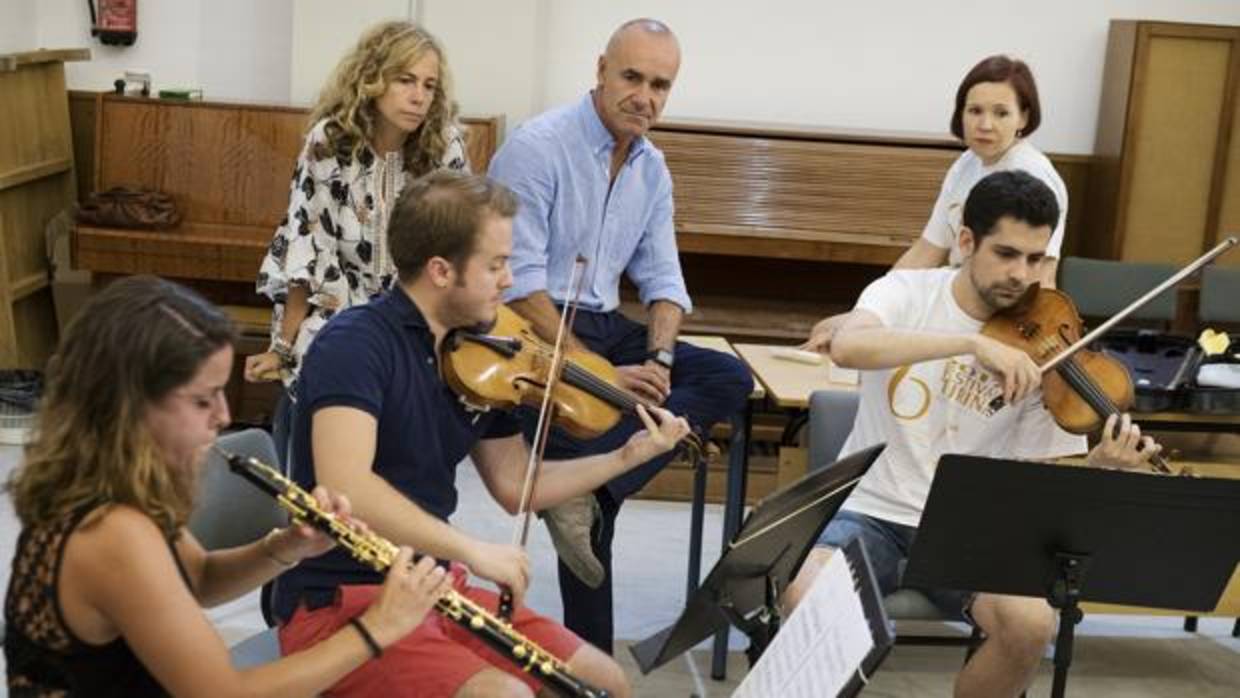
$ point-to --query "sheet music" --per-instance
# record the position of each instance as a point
(821, 645)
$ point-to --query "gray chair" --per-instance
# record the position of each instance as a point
(230, 512)
(1220, 295)
(1101, 288)
(831, 416)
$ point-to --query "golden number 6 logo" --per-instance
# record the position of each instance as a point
(894, 385)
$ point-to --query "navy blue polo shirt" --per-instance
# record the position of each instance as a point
(380, 358)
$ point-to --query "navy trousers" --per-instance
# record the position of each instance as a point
(707, 387)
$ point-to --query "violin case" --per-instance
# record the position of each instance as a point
(1216, 388)
(1165, 371)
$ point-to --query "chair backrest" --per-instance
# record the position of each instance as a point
(1101, 288)
(1220, 295)
(230, 511)
(831, 416)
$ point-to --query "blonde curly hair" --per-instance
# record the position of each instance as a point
(363, 75)
(130, 346)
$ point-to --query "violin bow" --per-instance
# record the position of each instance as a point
(521, 532)
(1137, 304)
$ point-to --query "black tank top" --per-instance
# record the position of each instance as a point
(44, 658)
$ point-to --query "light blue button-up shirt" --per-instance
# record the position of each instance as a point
(559, 165)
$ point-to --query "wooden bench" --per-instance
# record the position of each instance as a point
(227, 165)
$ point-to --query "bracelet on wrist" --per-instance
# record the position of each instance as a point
(375, 650)
(270, 553)
(284, 351)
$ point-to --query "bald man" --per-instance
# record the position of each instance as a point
(591, 184)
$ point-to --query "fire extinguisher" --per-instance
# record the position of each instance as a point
(116, 23)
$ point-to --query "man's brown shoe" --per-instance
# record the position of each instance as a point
(569, 524)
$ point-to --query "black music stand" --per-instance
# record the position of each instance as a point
(1073, 534)
(744, 587)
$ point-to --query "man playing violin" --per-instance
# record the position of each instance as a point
(378, 424)
(591, 184)
(929, 383)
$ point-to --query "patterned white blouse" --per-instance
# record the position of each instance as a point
(334, 237)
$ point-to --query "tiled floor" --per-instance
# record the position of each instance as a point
(1115, 655)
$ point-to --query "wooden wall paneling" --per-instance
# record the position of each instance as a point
(36, 182)
(1228, 199)
(786, 188)
(482, 137)
(1075, 170)
(8, 334)
(34, 125)
(1181, 101)
(1225, 123)
(131, 148)
(270, 151)
(83, 117)
(28, 209)
(1113, 111)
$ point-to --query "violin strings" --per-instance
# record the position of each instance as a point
(1079, 379)
(585, 379)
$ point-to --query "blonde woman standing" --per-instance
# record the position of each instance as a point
(384, 117)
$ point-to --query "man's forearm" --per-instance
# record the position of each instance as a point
(296, 308)
(543, 314)
(393, 516)
(664, 326)
(874, 348)
(561, 480)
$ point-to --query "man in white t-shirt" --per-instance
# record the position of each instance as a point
(928, 386)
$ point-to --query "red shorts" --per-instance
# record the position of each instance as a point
(437, 658)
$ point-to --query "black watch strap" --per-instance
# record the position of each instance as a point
(663, 357)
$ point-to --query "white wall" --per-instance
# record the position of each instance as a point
(323, 30)
(885, 64)
(235, 49)
(18, 19)
(244, 48)
(498, 57)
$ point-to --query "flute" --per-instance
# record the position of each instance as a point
(378, 553)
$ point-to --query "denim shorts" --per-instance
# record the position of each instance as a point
(887, 545)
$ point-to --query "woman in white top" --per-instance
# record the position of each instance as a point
(384, 117)
(997, 108)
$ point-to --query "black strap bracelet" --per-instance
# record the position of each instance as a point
(375, 650)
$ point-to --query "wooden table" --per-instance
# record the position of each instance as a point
(789, 384)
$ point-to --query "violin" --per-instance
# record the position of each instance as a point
(508, 365)
(1081, 388)
(1087, 386)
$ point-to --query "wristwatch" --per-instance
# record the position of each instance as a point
(662, 357)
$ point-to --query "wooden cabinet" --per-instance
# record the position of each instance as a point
(36, 182)
(1166, 182)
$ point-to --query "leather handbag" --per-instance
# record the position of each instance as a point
(122, 207)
